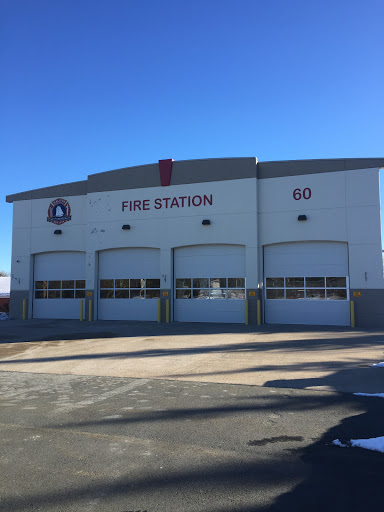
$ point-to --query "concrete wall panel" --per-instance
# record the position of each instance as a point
(73, 238)
(330, 224)
(365, 266)
(326, 191)
(362, 187)
(22, 214)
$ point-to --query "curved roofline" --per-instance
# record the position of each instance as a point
(323, 159)
(197, 171)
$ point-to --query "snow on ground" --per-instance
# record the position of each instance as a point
(5, 286)
(337, 442)
(378, 365)
(4, 316)
(379, 395)
(375, 444)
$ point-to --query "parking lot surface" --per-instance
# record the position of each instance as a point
(106, 444)
(333, 359)
(118, 417)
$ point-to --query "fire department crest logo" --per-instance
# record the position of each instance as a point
(59, 211)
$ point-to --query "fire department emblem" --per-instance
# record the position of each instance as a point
(59, 211)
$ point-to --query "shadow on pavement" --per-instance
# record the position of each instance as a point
(318, 477)
(340, 478)
(53, 330)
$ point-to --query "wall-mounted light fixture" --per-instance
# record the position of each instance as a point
(302, 217)
(126, 226)
(57, 232)
(206, 222)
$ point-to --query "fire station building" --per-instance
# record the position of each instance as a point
(215, 240)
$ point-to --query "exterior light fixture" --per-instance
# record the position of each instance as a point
(302, 217)
(57, 232)
(206, 222)
(126, 226)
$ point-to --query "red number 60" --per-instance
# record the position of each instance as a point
(298, 195)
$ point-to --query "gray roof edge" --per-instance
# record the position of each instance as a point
(184, 172)
(75, 188)
(282, 168)
(267, 169)
(78, 188)
(176, 162)
(323, 160)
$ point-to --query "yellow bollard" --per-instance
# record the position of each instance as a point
(258, 312)
(81, 310)
(159, 311)
(246, 311)
(352, 314)
(167, 311)
(24, 309)
(90, 311)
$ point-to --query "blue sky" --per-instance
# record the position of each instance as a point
(90, 85)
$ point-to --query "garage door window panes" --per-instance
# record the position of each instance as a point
(310, 288)
(221, 288)
(336, 288)
(129, 288)
(66, 289)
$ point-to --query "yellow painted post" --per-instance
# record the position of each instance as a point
(159, 311)
(352, 314)
(258, 312)
(90, 311)
(81, 309)
(24, 309)
(246, 311)
(167, 312)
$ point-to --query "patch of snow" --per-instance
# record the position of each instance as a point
(5, 286)
(375, 444)
(380, 395)
(378, 365)
(4, 316)
(337, 442)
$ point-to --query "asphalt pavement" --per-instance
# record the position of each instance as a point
(105, 443)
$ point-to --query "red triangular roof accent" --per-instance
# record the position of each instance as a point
(165, 167)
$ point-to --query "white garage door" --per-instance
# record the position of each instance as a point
(306, 283)
(209, 283)
(59, 284)
(129, 284)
